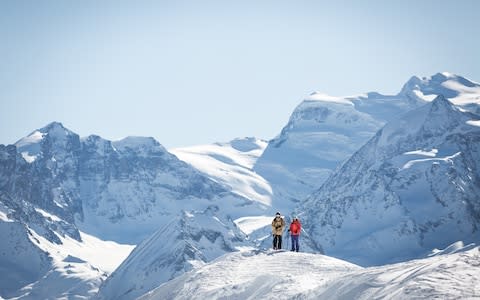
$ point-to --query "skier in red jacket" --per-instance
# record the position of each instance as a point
(295, 228)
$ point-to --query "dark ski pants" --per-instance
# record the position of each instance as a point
(277, 242)
(295, 246)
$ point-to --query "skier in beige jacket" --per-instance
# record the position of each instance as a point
(278, 225)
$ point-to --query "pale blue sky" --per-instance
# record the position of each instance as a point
(195, 72)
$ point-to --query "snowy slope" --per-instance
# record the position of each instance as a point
(231, 164)
(33, 267)
(77, 268)
(287, 275)
(185, 242)
(411, 188)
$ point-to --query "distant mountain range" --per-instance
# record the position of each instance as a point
(56, 186)
(374, 178)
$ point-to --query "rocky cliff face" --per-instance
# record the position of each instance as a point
(119, 190)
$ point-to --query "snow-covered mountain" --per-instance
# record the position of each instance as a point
(323, 131)
(58, 186)
(413, 187)
(288, 275)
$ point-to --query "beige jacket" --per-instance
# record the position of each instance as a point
(278, 225)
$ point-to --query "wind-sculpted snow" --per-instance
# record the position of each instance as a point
(288, 275)
(413, 187)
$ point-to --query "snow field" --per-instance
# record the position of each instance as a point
(231, 164)
(288, 275)
(255, 275)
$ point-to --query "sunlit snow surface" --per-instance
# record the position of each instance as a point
(78, 268)
(231, 164)
(31, 144)
(249, 224)
(289, 275)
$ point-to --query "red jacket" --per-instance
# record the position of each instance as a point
(295, 227)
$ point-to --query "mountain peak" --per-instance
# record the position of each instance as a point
(53, 125)
(441, 101)
(138, 144)
(434, 119)
(457, 88)
(442, 76)
(55, 132)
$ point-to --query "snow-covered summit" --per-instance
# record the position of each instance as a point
(138, 144)
(54, 133)
(288, 275)
(322, 132)
(438, 118)
(185, 242)
(459, 90)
